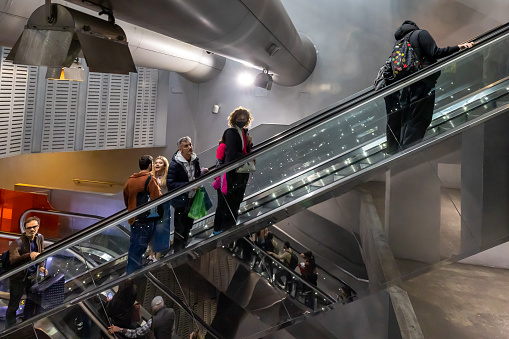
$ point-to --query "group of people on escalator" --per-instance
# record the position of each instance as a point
(152, 229)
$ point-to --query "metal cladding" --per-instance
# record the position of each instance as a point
(57, 42)
(258, 32)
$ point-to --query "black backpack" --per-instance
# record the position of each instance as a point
(294, 261)
(404, 60)
(143, 197)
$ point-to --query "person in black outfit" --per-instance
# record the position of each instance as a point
(409, 112)
(121, 307)
(238, 143)
(184, 167)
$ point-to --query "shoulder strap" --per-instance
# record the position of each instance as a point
(147, 182)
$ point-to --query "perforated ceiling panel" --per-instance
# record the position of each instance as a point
(13, 88)
(60, 116)
(106, 111)
(146, 105)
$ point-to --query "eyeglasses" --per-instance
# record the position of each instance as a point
(31, 228)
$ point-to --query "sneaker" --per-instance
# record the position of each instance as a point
(216, 233)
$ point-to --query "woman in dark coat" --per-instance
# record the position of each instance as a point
(238, 143)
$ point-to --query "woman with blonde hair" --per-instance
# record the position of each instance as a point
(238, 143)
(161, 237)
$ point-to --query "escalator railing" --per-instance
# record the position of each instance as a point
(362, 125)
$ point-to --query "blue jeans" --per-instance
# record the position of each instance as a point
(141, 234)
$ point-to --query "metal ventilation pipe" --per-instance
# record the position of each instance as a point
(148, 48)
(259, 32)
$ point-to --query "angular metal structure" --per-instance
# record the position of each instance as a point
(55, 35)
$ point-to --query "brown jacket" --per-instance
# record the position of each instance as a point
(19, 255)
(136, 184)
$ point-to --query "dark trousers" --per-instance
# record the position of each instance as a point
(141, 235)
(236, 187)
(17, 288)
(221, 206)
(183, 225)
(409, 114)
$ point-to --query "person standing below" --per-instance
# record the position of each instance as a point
(24, 249)
(285, 258)
(409, 112)
(161, 323)
(161, 238)
(137, 188)
(184, 168)
(238, 143)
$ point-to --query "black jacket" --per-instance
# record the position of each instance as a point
(424, 44)
(233, 145)
(177, 175)
(162, 323)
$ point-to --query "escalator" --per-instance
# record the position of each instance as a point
(321, 158)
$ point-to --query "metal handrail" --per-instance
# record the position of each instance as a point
(110, 183)
(54, 212)
(123, 215)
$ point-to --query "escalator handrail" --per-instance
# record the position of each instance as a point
(54, 212)
(76, 238)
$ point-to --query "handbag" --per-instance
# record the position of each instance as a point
(248, 167)
(198, 209)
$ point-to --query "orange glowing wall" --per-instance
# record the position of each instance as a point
(13, 204)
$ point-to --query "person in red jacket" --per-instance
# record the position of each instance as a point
(137, 188)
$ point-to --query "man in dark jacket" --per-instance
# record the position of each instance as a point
(136, 189)
(161, 323)
(184, 167)
(409, 112)
(23, 250)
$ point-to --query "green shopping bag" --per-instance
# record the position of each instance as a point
(198, 209)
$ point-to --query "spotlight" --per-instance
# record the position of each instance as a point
(245, 79)
(264, 80)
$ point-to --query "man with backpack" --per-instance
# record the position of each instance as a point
(289, 259)
(409, 111)
(24, 249)
(138, 189)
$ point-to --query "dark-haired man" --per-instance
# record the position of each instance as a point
(138, 186)
(24, 249)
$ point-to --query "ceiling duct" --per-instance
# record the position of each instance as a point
(54, 36)
(258, 32)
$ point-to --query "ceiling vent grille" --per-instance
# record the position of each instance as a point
(146, 106)
(106, 111)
